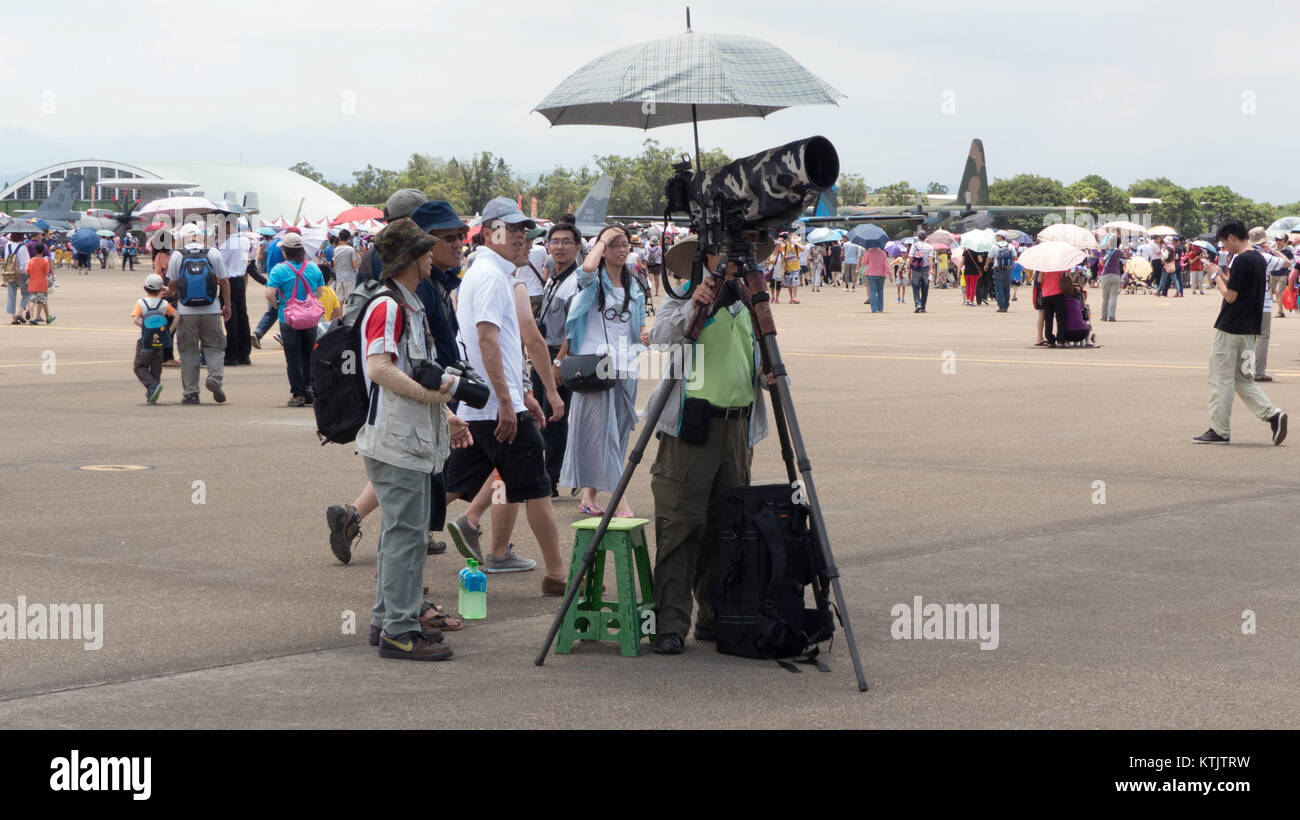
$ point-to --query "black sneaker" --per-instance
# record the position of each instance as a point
(345, 529)
(309, 398)
(706, 633)
(1211, 437)
(668, 644)
(191, 398)
(1278, 423)
(412, 646)
(430, 635)
(436, 547)
(215, 386)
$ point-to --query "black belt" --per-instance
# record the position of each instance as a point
(730, 412)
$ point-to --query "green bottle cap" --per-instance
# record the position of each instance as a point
(471, 563)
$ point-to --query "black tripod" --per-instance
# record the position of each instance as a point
(749, 287)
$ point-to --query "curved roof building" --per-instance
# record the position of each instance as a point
(280, 192)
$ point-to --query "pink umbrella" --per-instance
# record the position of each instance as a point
(1051, 256)
(358, 214)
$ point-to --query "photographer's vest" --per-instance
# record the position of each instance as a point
(723, 364)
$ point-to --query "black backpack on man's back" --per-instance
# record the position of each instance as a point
(337, 380)
(767, 554)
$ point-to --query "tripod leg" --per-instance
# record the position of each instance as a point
(783, 410)
(633, 459)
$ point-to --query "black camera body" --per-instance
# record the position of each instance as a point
(466, 386)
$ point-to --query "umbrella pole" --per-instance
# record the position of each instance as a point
(696, 127)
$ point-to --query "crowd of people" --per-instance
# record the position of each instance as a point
(509, 302)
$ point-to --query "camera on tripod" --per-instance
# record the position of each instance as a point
(757, 193)
(466, 386)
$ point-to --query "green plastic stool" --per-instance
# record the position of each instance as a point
(589, 617)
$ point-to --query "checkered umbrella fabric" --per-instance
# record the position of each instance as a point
(656, 83)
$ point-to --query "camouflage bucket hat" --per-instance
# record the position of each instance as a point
(401, 243)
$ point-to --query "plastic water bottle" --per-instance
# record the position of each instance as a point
(472, 602)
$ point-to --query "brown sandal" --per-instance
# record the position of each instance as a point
(432, 615)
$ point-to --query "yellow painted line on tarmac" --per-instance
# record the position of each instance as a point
(963, 359)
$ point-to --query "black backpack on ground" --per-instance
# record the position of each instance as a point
(337, 379)
(767, 554)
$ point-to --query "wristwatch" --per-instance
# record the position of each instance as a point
(555, 362)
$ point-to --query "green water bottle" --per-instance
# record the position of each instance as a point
(472, 602)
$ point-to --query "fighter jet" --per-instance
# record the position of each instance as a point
(57, 211)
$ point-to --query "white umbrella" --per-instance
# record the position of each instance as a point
(1163, 230)
(981, 241)
(1124, 226)
(1072, 234)
(823, 235)
(1051, 255)
(180, 204)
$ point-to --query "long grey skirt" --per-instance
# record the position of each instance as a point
(599, 427)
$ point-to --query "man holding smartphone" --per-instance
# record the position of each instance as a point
(1232, 353)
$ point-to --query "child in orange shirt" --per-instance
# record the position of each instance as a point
(38, 285)
(157, 321)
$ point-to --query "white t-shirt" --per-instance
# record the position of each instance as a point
(803, 257)
(487, 295)
(345, 263)
(234, 254)
(532, 281)
(852, 253)
(218, 267)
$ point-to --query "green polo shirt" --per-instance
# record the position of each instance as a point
(724, 360)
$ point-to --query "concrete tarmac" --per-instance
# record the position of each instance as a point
(955, 461)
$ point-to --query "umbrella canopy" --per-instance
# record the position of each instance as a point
(821, 235)
(103, 233)
(895, 249)
(1284, 225)
(684, 78)
(972, 222)
(359, 214)
(869, 236)
(1163, 230)
(266, 231)
(26, 228)
(84, 240)
(941, 238)
(180, 204)
(1065, 232)
(1208, 247)
(979, 241)
(225, 206)
(1137, 266)
(1051, 255)
(1125, 227)
(1013, 235)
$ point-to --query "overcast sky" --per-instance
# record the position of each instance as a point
(1122, 89)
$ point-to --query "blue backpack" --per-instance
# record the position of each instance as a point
(1005, 259)
(198, 281)
(154, 331)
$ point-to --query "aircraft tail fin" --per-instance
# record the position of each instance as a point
(590, 216)
(828, 202)
(61, 201)
(973, 190)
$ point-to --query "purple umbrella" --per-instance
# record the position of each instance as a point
(895, 249)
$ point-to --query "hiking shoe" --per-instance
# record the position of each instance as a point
(295, 401)
(668, 644)
(257, 343)
(436, 547)
(1278, 423)
(465, 538)
(309, 398)
(508, 563)
(192, 398)
(155, 393)
(215, 386)
(412, 646)
(1211, 437)
(345, 529)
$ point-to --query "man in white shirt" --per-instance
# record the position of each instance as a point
(197, 276)
(345, 266)
(236, 249)
(505, 436)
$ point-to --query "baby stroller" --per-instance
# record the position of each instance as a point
(1078, 330)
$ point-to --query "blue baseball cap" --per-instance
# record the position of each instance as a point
(436, 215)
(507, 210)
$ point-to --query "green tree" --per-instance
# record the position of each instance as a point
(899, 193)
(1028, 189)
(561, 190)
(1099, 194)
(851, 189)
(306, 169)
(639, 180)
(936, 188)
(1177, 209)
(484, 177)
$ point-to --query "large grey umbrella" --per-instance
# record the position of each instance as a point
(18, 226)
(685, 78)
